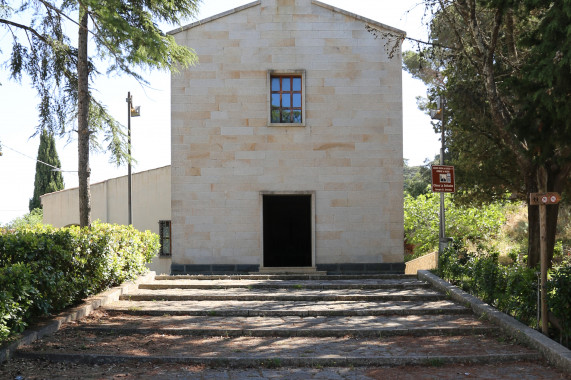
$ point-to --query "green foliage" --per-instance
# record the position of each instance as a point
(485, 279)
(126, 39)
(417, 179)
(451, 262)
(59, 267)
(17, 295)
(559, 300)
(543, 89)
(512, 289)
(421, 221)
(519, 298)
(463, 222)
(30, 219)
(505, 70)
(46, 180)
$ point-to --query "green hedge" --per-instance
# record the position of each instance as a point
(512, 289)
(471, 223)
(44, 270)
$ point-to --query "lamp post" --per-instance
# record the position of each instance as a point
(439, 115)
(131, 112)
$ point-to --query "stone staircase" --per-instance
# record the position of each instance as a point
(285, 321)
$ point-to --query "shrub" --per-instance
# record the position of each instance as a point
(512, 289)
(66, 265)
(466, 223)
(520, 296)
(559, 300)
(16, 296)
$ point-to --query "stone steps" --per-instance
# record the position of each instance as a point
(291, 308)
(295, 285)
(279, 297)
(370, 326)
(237, 351)
(276, 362)
(281, 320)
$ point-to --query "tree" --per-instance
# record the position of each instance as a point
(497, 63)
(417, 178)
(126, 37)
(30, 219)
(47, 180)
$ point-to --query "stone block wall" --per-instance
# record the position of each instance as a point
(348, 153)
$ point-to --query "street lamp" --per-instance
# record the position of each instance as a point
(131, 112)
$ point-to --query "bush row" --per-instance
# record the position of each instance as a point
(473, 224)
(512, 289)
(44, 270)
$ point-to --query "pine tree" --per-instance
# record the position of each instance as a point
(47, 180)
(50, 45)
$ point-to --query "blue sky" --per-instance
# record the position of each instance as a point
(151, 131)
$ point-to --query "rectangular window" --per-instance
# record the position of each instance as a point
(165, 238)
(286, 98)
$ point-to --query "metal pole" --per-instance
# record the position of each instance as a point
(129, 106)
(442, 236)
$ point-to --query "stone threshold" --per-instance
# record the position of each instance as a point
(289, 270)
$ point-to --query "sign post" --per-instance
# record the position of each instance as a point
(542, 200)
(443, 181)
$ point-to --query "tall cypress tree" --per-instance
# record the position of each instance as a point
(47, 180)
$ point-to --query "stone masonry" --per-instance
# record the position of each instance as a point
(346, 154)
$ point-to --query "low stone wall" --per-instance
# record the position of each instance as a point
(425, 262)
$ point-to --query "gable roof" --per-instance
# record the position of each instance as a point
(373, 23)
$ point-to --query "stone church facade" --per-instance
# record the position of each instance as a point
(287, 142)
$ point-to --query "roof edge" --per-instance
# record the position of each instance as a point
(215, 17)
(107, 180)
(358, 17)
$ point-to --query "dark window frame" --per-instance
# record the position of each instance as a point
(291, 107)
(289, 92)
(163, 225)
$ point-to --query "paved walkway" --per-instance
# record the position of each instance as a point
(293, 327)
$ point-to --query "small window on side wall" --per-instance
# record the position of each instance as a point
(165, 238)
(286, 98)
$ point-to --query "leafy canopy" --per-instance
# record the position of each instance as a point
(127, 40)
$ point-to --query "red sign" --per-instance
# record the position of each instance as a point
(544, 198)
(443, 179)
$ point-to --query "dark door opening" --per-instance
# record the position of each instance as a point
(287, 230)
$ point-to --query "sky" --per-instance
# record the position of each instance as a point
(151, 131)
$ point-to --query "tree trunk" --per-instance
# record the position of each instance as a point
(552, 216)
(533, 242)
(84, 171)
(556, 179)
(555, 183)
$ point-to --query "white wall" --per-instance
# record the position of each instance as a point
(151, 202)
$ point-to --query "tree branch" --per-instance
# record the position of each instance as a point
(26, 28)
(59, 12)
